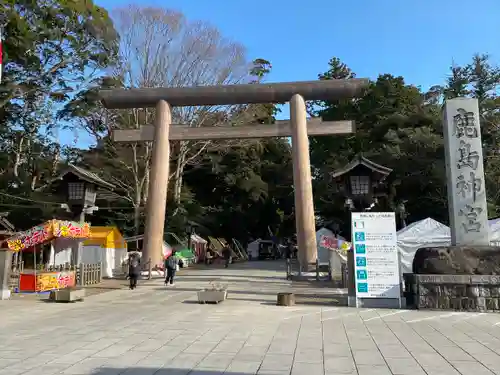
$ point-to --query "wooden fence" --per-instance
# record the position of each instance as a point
(88, 274)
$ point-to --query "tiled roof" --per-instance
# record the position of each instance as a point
(361, 160)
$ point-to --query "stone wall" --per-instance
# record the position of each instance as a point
(453, 292)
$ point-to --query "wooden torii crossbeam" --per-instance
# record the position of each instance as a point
(282, 128)
(298, 128)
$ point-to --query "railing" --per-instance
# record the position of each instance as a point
(294, 265)
(88, 274)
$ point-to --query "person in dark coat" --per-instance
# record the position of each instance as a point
(134, 268)
(289, 250)
(171, 264)
(226, 253)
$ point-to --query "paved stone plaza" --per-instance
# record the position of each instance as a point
(154, 330)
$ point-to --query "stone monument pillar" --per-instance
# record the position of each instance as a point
(465, 174)
(5, 267)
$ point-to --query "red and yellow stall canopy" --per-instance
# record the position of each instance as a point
(47, 231)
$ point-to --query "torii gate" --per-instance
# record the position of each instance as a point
(298, 128)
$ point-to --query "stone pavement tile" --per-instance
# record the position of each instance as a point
(16, 354)
(309, 343)
(47, 370)
(404, 366)
(394, 351)
(6, 371)
(249, 368)
(87, 365)
(100, 344)
(429, 359)
(183, 342)
(368, 357)
(200, 347)
(128, 358)
(474, 348)
(453, 353)
(237, 335)
(309, 356)
(149, 345)
(277, 362)
(282, 347)
(272, 372)
(259, 340)
(336, 350)
(166, 352)
(420, 348)
(301, 368)
(251, 353)
(362, 344)
(440, 369)
(7, 362)
(132, 339)
(373, 370)
(229, 346)
(186, 361)
(216, 360)
(113, 351)
(74, 357)
(489, 360)
(473, 368)
(69, 346)
(340, 365)
(152, 362)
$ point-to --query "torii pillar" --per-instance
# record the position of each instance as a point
(298, 128)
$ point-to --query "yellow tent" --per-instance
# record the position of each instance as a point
(106, 246)
(106, 237)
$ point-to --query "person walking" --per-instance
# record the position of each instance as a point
(226, 253)
(171, 264)
(134, 268)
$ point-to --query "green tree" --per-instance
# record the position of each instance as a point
(396, 127)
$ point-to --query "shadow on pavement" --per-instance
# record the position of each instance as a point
(170, 371)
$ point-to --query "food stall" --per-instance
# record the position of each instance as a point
(34, 248)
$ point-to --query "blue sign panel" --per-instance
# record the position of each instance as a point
(360, 261)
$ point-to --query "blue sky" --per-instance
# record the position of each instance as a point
(415, 39)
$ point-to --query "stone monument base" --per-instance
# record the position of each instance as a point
(453, 292)
(465, 278)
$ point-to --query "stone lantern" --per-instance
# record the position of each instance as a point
(80, 187)
(361, 182)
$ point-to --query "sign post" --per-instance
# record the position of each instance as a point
(376, 259)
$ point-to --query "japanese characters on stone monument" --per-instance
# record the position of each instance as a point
(465, 173)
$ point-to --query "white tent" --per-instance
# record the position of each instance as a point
(253, 249)
(328, 251)
(423, 233)
(430, 233)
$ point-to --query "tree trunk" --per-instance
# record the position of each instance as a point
(137, 211)
(179, 171)
(18, 159)
(55, 161)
